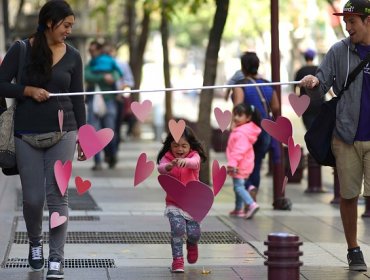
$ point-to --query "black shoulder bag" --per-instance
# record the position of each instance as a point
(7, 150)
(318, 137)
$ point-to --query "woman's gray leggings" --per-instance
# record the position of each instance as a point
(36, 170)
(179, 228)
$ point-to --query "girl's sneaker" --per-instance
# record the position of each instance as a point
(178, 265)
(253, 208)
(192, 252)
(237, 213)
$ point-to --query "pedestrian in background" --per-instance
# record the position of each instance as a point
(265, 101)
(351, 135)
(51, 66)
(240, 156)
(182, 160)
(103, 81)
(315, 102)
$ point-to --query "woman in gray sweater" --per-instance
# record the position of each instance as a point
(51, 66)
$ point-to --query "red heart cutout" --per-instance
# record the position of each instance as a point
(82, 186)
(196, 198)
(143, 169)
(218, 176)
(281, 130)
(295, 153)
(92, 141)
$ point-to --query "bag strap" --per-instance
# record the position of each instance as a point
(262, 97)
(22, 56)
(354, 73)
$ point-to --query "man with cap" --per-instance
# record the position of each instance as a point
(351, 136)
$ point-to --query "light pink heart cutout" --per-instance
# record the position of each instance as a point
(223, 118)
(62, 173)
(281, 130)
(285, 181)
(196, 198)
(143, 169)
(218, 177)
(82, 186)
(91, 141)
(141, 111)
(60, 119)
(56, 220)
(176, 129)
(299, 103)
(295, 153)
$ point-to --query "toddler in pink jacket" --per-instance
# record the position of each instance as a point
(240, 156)
(181, 160)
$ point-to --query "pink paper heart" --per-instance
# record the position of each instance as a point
(218, 177)
(141, 111)
(285, 181)
(196, 198)
(281, 130)
(294, 153)
(143, 169)
(56, 220)
(223, 118)
(62, 173)
(176, 129)
(82, 186)
(91, 141)
(299, 103)
(60, 119)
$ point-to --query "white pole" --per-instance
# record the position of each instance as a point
(171, 89)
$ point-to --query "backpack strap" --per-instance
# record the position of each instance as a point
(354, 73)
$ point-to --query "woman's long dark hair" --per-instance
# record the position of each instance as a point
(189, 135)
(248, 110)
(39, 69)
(250, 63)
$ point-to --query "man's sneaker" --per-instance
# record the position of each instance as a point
(55, 270)
(237, 213)
(192, 252)
(252, 209)
(177, 265)
(36, 256)
(356, 261)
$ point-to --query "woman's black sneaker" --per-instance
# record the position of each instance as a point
(36, 256)
(55, 269)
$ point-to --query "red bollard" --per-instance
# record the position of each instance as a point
(313, 176)
(336, 198)
(283, 256)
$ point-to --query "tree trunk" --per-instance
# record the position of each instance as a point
(137, 43)
(204, 129)
(166, 63)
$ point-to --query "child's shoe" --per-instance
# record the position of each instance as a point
(192, 252)
(237, 213)
(178, 265)
(252, 209)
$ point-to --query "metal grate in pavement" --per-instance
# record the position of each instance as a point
(71, 218)
(214, 237)
(75, 201)
(68, 263)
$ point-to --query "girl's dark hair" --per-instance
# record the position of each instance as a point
(248, 110)
(250, 63)
(39, 69)
(189, 135)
